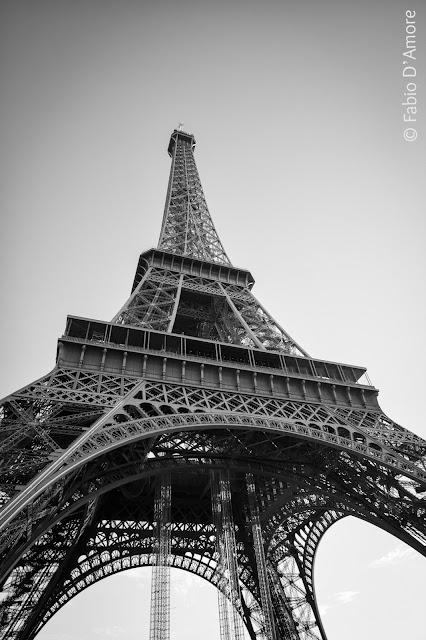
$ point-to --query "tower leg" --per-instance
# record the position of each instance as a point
(224, 616)
(160, 586)
(262, 575)
(231, 625)
(286, 623)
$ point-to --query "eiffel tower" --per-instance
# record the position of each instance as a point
(193, 431)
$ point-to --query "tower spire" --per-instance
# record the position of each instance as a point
(187, 227)
(188, 285)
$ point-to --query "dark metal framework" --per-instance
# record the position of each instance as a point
(192, 431)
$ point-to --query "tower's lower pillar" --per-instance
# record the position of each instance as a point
(265, 594)
(286, 622)
(231, 624)
(160, 586)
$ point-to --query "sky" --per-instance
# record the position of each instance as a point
(298, 115)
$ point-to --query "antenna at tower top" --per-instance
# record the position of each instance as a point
(180, 126)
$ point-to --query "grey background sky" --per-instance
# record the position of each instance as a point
(296, 107)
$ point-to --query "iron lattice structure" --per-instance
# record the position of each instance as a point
(192, 431)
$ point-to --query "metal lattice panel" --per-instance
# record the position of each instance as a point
(264, 587)
(160, 586)
(231, 627)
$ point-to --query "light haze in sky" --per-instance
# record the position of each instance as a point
(297, 110)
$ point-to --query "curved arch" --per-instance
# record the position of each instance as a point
(108, 566)
(107, 435)
(111, 566)
(152, 469)
(175, 462)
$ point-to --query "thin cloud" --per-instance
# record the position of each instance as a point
(397, 555)
(323, 609)
(343, 597)
(140, 575)
(110, 632)
(60, 636)
(135, 573)
(183, 582)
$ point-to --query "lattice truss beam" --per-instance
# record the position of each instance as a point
(208, 408)
(187, 227)
(270, 628)
(229, 600)
(336, 421)
(160, 586)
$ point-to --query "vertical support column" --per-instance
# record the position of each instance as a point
(265, 594)
(224, 617)
(160, 586)
(175, 305)
(286, 622)
(231, 624)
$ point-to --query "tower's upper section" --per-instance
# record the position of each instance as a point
(187, 227)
